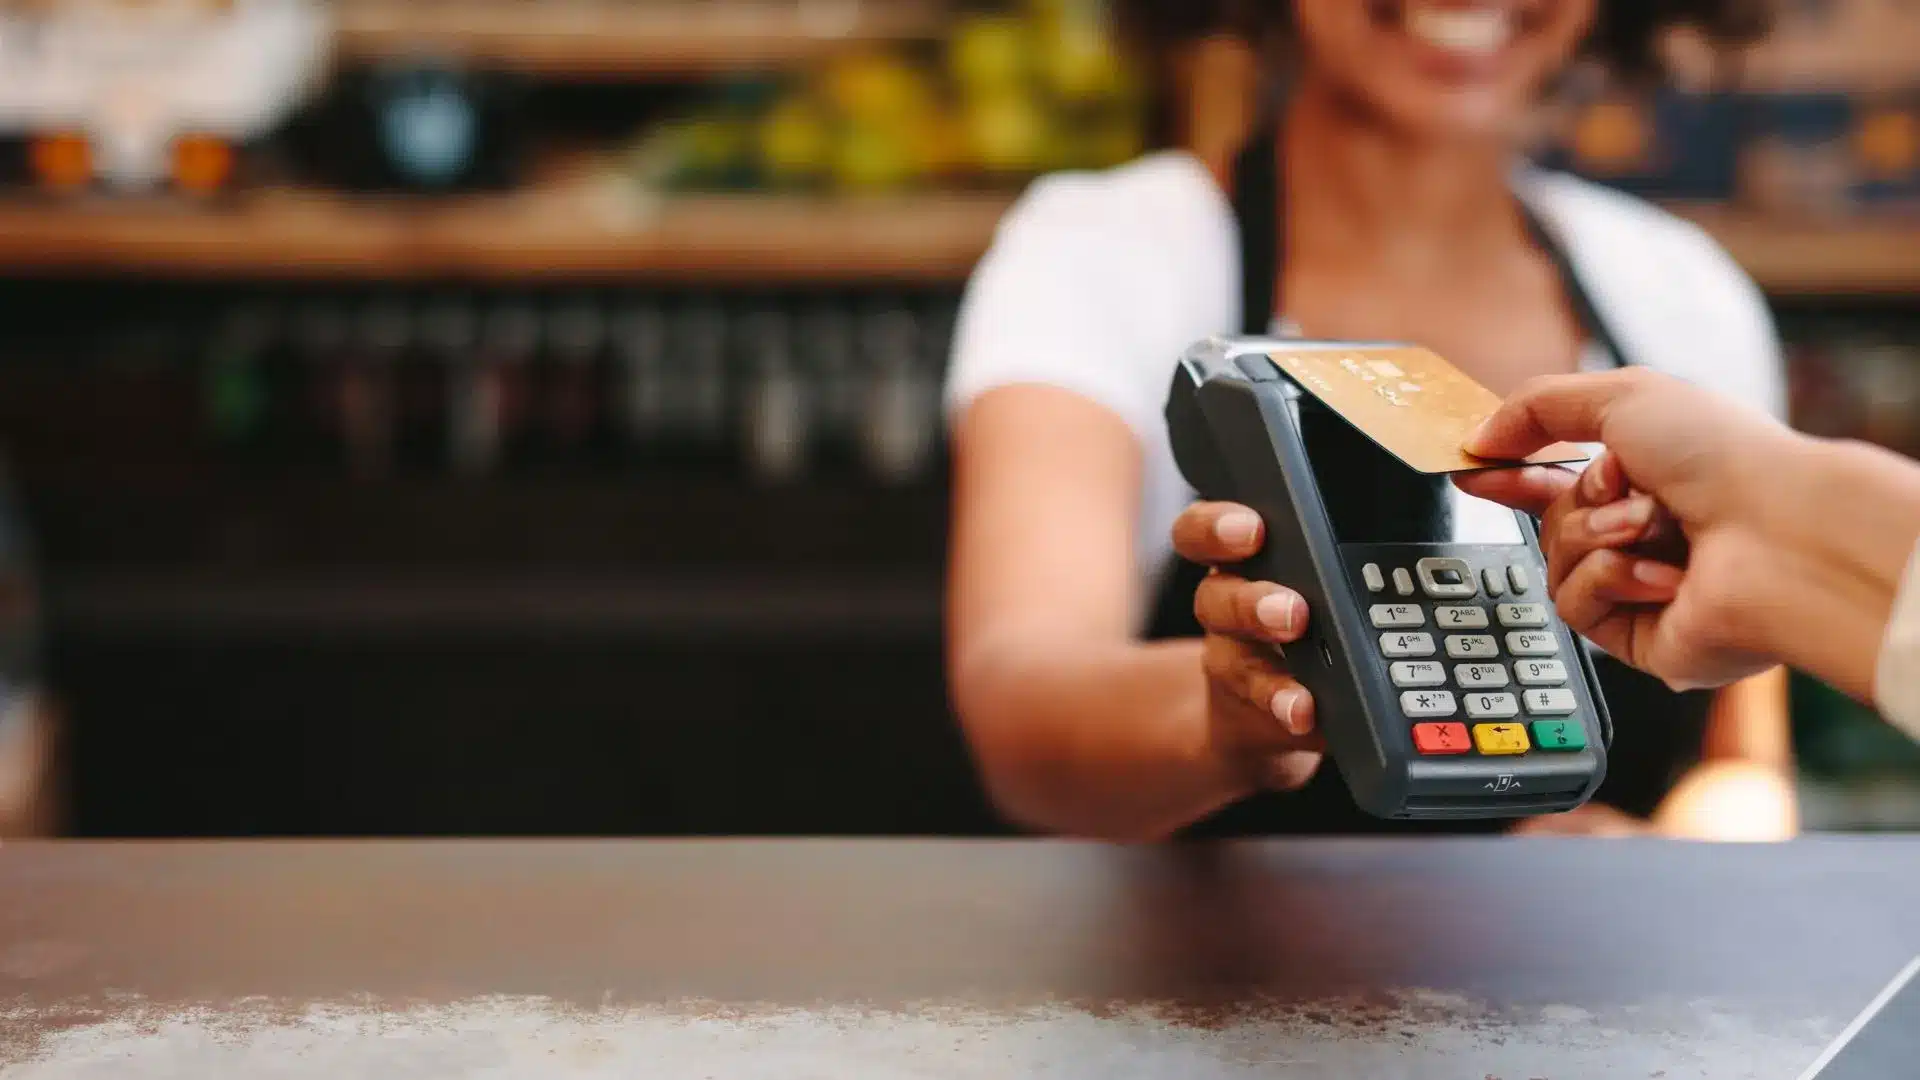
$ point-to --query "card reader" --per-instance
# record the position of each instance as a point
(1443, 680)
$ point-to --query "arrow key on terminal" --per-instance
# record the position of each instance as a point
(1500, 738)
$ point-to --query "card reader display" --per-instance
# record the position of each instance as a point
(1443, 679)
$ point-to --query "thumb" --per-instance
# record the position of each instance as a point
(1550, 409)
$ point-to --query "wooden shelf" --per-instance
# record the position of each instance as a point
(596, 230)
(1811, 257)
(614, 38)
(581, 232)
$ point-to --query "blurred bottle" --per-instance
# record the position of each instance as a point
(940, 317)
(640, 351)
(30, 754)
(828, 354)
(238, 394)
(775, 409)
(448, 341)
(899, 429)
(574, 387)
(488, 389)
(1889, 379)
(1822, 398)
(369, 407)
(697, 382)
(324, 334)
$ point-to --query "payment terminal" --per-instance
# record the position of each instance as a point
(1443, 680)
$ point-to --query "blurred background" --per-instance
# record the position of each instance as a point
(522, 416)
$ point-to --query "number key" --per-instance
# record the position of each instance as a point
(1532, 643)
(1472, 646)
(1463, 617)
(1390, 616)
(1492, 706)
(1478, 676)
(1522, 616)
(1417, 673)
(1406, 644)
(1540, 672)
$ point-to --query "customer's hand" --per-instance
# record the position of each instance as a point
(1672, 449)
(1261, 716)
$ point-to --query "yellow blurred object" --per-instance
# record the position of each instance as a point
(202, 164)
(878, 88)
(1888, 143)
(991, 54)
(796, 141)
(716, 144)
(1080, 61)
(62, 162)
(870, 159)
(1611, 134)
(942, 142)
(1009, 133)
(1110, 142)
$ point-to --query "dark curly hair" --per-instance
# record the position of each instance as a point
(1625, 35)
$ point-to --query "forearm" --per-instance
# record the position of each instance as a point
(1103, 741)
(1846, 517)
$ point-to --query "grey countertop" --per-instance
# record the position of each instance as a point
(1461, 959)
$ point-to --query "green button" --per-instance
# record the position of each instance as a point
(1559, 735)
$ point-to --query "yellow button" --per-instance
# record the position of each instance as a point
(1500, 738)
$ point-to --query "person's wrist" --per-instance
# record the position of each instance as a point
(1852, 506)
(1839, 522)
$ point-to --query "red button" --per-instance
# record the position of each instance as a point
(1441, 738)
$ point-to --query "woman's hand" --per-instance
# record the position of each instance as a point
(1260, 716)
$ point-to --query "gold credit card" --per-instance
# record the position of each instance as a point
(1412, 402)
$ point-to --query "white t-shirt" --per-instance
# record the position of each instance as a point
(1096, 282)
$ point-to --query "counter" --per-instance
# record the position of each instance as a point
(1555, 959)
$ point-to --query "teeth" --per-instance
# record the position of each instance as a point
(1474, 30)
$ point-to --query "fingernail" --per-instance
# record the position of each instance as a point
(1289, 707)
(1237, 527)
(1275, 612)
(1653, 572)
(1472, 444)
(1621, 516)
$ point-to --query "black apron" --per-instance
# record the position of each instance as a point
(1658, 733)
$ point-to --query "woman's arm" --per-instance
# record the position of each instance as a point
(1077, 727)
